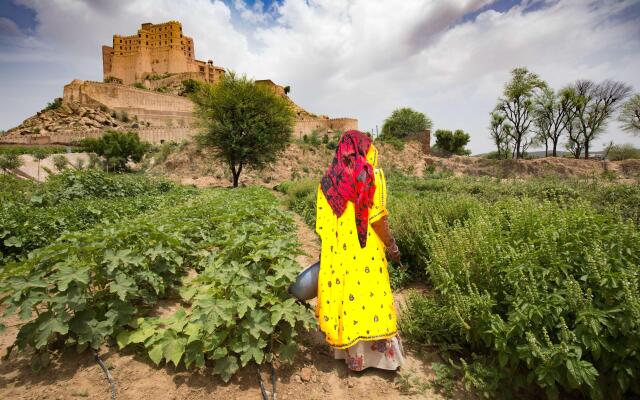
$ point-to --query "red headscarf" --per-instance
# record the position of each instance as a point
(350, 178)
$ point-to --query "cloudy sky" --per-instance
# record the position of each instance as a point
(360, 58)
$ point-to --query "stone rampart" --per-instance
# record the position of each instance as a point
(159, 109)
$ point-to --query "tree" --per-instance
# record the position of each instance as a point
(549, 119)
(287, 89)
(244, 123)
(568, 102)
(595, 104)
(630, 115)
(500, 132)
(117, 148)
(405, 122)
(517, 104)
(39, 155)
(452, 142)
(9, 162)
(60, 162)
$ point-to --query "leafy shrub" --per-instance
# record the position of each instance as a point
(540, 294)
(301, 198)
(117, 148)
(452, 142)
(9, 162)
(190, 86)
(139, 85)
(112, 79)
(60, 162)
(162, 89)
(397, 143)
(54, 105)
(623, 152)
(405, 122)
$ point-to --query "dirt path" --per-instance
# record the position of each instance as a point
(314, 374)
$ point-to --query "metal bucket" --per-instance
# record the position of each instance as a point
(306, 285)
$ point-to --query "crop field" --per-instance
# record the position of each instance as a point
(523, 288)
(531, 287)
(86, 257)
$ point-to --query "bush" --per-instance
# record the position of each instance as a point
(190, 86)
(452, 142)
(395, 142)
(60, 162)
(531, 293)
(405, 122)
(9, 162)
(623, 152)
(139, 85)
(112, 79)
(117, 148)
(162, 89)
(54, 105)
(301, 198)
(314, 139)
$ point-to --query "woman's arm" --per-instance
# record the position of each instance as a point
(381, 227)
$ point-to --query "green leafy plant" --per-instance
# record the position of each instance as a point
(117, 148)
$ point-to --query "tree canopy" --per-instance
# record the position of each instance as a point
(244, 123)
(630, 115)
(517, 105)
(452, 142)
(405, 122)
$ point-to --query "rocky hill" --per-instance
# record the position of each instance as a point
(69, 117)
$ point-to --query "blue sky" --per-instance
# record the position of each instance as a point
(360, 58)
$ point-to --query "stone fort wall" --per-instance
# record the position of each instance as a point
(159, 109)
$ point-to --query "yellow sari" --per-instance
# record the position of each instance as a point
(354, 302)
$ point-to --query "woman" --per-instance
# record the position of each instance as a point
(355, 304)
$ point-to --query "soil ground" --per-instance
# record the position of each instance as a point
(313, 375)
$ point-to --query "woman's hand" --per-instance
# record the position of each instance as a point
(394, 253)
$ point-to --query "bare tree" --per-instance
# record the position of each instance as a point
(595, 104)
(517, 104)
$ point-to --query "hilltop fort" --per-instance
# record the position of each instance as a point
(143, 89)
(155, 50)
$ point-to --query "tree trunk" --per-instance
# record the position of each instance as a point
(546, 148)
(586, 150)
(555, 146)
(236, 175)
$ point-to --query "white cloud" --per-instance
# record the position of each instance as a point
(359, 58)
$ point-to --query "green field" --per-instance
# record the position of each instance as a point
(531, 286)
(79, 273)
(527, 288)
